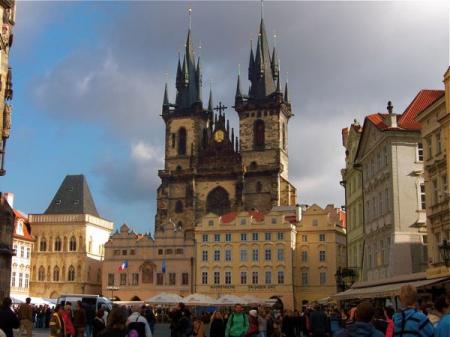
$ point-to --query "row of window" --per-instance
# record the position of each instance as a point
(243, 277)
(243, 237)
(56, 274)
(57, 245)
(243, 221)
(22, 252)
(305, 278)
(378, 162)
(243, 255)
(322, 256)
(433, 146)
(23, 280)
(161, 279)
(378, 205)
(440, 190)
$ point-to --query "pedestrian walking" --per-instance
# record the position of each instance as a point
(150, 317)
(252, 330)
(8, 318)
(25, 314)
(99, 323)
(262, 325)
(288, 324)
(137, 322)
(237, 324)
(335, 321)
(56, 324)
(79, 319)
(181, 324)
(410, 322)
(388, 313)
(362, 326)
(198, 327)
(117, 321)
(319, 322)
(90, 316)
(217, 325)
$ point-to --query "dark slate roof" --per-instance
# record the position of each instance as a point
(73, 197)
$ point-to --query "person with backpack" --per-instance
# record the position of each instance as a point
(237, 324)
(136, 322)
(410, 322)
(116, 326)
(362, 326)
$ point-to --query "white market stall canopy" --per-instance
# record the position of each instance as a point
(165, 298)
(250, 299)
(230, 300)
(199, 299)
(34, 300)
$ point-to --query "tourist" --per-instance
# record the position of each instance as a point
(442, 328)
(288, 324)
(67, 318)
(181, 324)
(410, 322)
(388, 313)
(262, 325)
(117, 321)
(90, 316)
(79, 319)
(150, 317)
(361, 327)
(439, 309)
(252, 330)
(269, 323)
(8, 319)
(217, 325)
(57, 327)
(99, 323)
(237, 324)
(198, 327)
(137, 322)
(379, 320)
(319, 322)
(25, 314)
(335, 321)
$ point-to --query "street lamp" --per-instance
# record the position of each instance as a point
(444, 249)
(112, 291)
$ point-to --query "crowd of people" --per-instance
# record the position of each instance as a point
(363, 320)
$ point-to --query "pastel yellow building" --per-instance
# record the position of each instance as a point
(151, 266)
(247, 253)
(70, 237)
(320, 252)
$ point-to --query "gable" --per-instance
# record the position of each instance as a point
(369, 137)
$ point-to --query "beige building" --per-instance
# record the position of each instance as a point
(70, 237)
(23, 243)
(151, 266)
(7, 13)
(390, 156)
(352, 183)
(247, 253)
(320, 252)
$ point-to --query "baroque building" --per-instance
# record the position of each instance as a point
(320, 252)
(151, 266)
(208, 169)
(70, 237)
(389, 156)
(352, 183)
(247, 253)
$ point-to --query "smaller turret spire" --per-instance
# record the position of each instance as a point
(238, 86)
(166, 96)
(190, 18)
(199, 81)
(210, 101)
(286, 93)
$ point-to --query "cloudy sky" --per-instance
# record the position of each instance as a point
(89, 80)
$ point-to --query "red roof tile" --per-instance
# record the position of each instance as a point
(422, 101)
(228, 217)
(26, 227)
(378, 120)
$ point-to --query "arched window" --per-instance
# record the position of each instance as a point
(258, 187)
(73, 244)
(58, 244)
(218, 201)
(90, 245)
(71, 274)
(147, 272)
(283, 135)
(43, 245)
(182, 141)
(41, 274)
(259, 133)
(178, 207)
(56, 274)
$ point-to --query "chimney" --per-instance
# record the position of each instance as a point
(9, 198)
(447, 89)
(298, 213)
(391, 119)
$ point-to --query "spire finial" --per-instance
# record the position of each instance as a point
(239, 69)
(390, 107)
(190, 17)
(275, 39)
(199, 48)
(262, 9)
(287, 77)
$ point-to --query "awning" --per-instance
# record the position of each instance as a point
(385, 290)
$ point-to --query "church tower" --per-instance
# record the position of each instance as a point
(263, 118)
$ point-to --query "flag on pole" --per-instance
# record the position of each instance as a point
(123, 266)
(163, 267)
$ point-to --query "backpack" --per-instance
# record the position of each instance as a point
(136, 329)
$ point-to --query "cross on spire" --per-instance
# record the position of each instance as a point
(220, 108)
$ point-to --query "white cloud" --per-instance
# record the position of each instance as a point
(143, 152)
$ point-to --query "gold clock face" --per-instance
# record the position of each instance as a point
(219, 136)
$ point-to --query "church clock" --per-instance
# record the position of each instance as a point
(219, 136)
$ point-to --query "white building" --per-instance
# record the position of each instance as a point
(390, 159)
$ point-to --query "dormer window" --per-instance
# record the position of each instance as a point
(58, 202)
(76, 202)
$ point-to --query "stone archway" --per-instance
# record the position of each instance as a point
(54, 294)
(135, 298)
(218, 201)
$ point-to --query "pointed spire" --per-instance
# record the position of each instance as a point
(232, 138)
(199, 81)
(275, 64)
(166, 96)
(179, 73)
(210, 101)
(238, 86)
(251, 64)
(278, 85)
(185, 71)
(286, 94)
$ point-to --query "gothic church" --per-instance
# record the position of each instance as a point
(208, 167)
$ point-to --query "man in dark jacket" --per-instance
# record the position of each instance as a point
(319, 322)
(362, 326)
(8, 319)
(79, 319)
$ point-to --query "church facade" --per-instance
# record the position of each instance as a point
(211, 168)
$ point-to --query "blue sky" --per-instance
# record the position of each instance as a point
(89, 78)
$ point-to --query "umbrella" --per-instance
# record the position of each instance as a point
(250, 299)
(165, 298)
(199, 299)
(230, 300)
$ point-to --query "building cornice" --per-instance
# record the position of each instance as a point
(65, 218)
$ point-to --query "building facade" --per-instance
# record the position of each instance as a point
(23, 243)
(70, 237)
(208, 169)
(7, 218)
(152, 266)
(389, 155)
(352, 183)
(247, 253)
(7, 13)
(320, 252)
